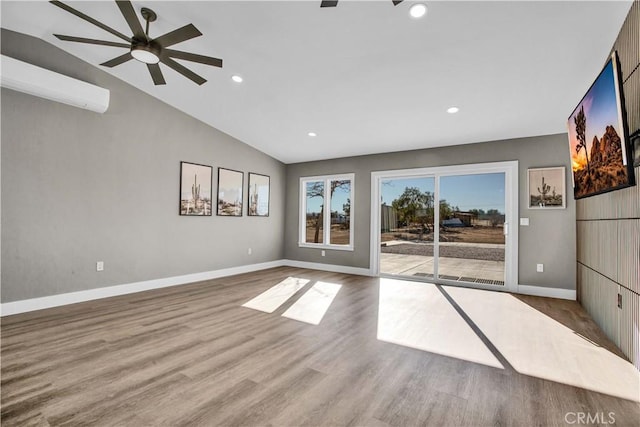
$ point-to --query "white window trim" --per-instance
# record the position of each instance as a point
(326, 226)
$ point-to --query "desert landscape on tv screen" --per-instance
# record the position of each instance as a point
(596, 138)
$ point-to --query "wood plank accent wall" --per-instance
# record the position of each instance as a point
(608, 225)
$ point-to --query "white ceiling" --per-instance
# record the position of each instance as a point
(364, 76)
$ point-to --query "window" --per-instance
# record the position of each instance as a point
(326, 218)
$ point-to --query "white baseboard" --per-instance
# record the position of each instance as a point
(33, 304)
(540, 291)
(328, 267)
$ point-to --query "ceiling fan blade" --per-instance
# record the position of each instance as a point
(329, 3)
(91, 20)
(182, 70)
(130, 16)
(216, 62)
(187, 32)
(156, 74)
(118, 60)
(91, 41)
(396, 2)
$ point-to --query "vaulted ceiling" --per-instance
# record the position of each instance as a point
(364, 76)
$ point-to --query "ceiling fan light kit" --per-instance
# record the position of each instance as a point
(151, 51)
(147, 53)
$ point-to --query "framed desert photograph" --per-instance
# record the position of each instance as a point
(195, 189)
(230, 192)
(258, 195)
(598, 140)
(635, 145)
(547, 188)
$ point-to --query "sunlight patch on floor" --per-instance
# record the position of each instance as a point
(537, 345)
(312, 306)
(417, 315)
(274, 297)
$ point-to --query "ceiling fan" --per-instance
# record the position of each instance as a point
(151, 51)
(335, 3)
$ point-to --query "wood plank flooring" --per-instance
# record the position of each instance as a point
(192, 355)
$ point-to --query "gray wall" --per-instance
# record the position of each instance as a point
(78, 187)
(609, 225)
(550, 239)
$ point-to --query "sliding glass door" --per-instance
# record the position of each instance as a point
(406, 226)
(447, 224)
(471, 239)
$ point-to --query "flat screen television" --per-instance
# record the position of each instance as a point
(599, 138)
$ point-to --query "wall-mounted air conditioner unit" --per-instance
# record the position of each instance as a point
(27, 78)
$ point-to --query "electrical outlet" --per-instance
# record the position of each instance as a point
(619, 300)
(540, 268)
(100, 266)
(323, 253)
(249, 251)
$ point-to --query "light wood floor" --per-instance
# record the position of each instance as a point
(191, 355)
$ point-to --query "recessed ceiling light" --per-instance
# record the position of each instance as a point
(312, 134)
(418, 10)
(452, 110)
(236, 79)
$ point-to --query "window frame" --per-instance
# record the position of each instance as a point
(326, 219)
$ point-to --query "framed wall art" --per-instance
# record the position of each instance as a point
(195, 189)
(258, 195)
(547, 189)
(635, 145)
(230, 184)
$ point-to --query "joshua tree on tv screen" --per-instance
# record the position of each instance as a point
(581, 126)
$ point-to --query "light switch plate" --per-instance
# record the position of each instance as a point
(524, 221)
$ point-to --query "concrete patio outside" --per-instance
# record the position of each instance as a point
(463, 269)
